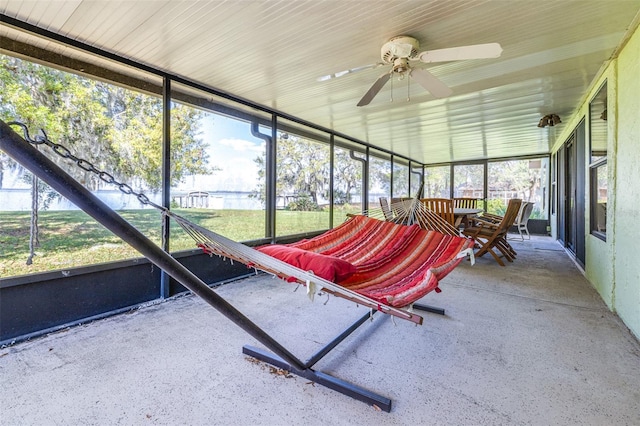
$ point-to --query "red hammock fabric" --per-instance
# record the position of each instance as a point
(396, 264)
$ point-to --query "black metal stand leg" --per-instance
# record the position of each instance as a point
(323, 379)
(428, 308)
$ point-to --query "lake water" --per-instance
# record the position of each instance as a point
(20, 200)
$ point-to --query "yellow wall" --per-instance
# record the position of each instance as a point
(626, 244)
(613, 267)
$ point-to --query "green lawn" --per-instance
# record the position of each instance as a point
(72, 238)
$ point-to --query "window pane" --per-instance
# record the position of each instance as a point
(400, 179)
(379, 179)
(118, 130)
(416, 179)
(598, 125)
(437, 182)
(347, 181)
(554, 178)
(217, 178)
(599, 140)
(302, 184)
(524, 179)
(468, 181)
(599, 195)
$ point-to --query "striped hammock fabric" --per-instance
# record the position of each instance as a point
(396, 264)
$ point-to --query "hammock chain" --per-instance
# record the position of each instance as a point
(86, 165)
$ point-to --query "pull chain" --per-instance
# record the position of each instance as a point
(408, 96)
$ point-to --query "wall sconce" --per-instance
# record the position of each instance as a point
(549, 120)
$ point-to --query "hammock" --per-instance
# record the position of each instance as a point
(395, 264)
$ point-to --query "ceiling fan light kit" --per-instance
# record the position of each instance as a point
(549, 120)
(400, 51)
(399, 47)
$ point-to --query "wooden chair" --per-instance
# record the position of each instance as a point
(489, 235)
(466, 203)
(443, 207)
(522, 219)
(399, 199)
(386, 211)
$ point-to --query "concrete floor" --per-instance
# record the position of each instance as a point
(531, 343)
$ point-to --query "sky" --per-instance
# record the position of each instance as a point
(232, 149)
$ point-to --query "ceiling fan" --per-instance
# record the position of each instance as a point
(399, 51)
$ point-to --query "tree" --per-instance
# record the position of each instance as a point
(380, 174)
(303, 168)
(468, 180)
(118, 130)
(514, 176)
(302, 174)
(437, 181)
(400, 180)
(347, 176)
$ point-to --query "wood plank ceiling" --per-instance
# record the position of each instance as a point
(272, 53)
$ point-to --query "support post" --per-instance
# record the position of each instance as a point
(166, 178)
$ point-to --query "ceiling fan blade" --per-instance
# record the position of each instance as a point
(373, 91)
(349, 71)
(476, 51)
(431, 83)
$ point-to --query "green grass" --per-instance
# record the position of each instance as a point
(71, 238)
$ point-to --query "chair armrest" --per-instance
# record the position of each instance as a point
(483, 223)
(478, 226)
(491, 217)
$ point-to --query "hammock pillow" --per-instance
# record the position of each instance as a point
(328, 267)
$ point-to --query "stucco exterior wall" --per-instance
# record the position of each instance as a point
(626, 245)
(613, 266)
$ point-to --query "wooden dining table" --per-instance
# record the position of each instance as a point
(463, 215)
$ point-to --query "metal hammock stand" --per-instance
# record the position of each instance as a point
(32, 159)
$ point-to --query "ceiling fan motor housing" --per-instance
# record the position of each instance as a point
(400, 65)
(400, 47)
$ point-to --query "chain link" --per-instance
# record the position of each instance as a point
(86, 165)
